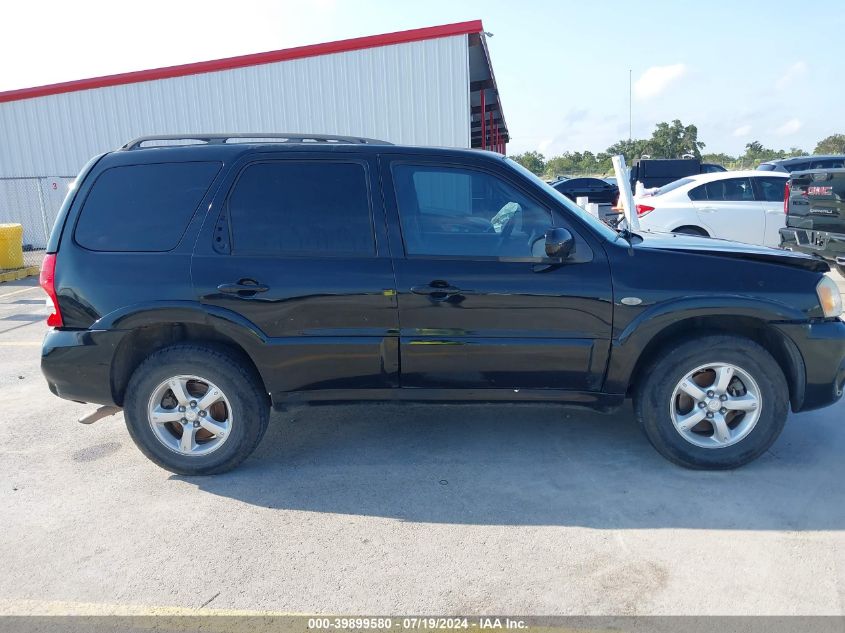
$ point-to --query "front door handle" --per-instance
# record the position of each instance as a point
(243, 288)
(437, 290)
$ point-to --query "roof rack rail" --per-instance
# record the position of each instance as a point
(240, 137)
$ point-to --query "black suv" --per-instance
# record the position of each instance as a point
(196, 286)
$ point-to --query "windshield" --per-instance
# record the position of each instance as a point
(593, 221)
(672, 186)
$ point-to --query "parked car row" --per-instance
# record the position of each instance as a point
(745, 206)
(749, 206)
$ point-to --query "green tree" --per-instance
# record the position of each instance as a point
(756, 153)
(578, 163)
(833, 144)
(533, 161)
(725, 160)
(631, 149)
(673, 140)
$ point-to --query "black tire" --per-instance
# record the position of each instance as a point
(840, 269)
(653, 395)
(250, 407)
(691, 230)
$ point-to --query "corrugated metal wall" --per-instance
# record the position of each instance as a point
(414, 93)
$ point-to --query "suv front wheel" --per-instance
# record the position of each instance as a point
(195, 409)
(715, 402)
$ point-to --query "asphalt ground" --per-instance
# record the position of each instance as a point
(391, 509)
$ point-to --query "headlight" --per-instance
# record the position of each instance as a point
(829, 297)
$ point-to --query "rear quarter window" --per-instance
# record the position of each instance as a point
(143, 207)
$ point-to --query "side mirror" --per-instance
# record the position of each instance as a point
(559, 243)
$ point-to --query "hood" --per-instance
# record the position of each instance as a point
(727, 248)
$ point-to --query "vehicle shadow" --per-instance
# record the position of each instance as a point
(531, 465)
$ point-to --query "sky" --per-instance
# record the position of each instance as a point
(740, 70)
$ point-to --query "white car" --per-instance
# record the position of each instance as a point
(745, 206)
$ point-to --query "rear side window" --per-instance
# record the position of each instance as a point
(302, 207)
(143, 207)
(828, 163)
(728, 190)
(771, 189)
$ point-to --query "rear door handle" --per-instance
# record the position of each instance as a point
(437, 290)
(707, 209)
(243, 288)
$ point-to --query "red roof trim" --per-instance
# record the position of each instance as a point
(255, 59)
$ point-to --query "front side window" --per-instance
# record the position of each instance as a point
(136, 208)
(465, 212)
(301, 207)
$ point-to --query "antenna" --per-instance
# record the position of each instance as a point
(630, 111)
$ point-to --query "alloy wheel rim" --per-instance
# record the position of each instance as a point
(190, 415)
(715, 405)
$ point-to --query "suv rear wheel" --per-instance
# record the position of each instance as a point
(716, 402)
(195, 409)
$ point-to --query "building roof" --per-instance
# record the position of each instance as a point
(254, 59)
(488, 131)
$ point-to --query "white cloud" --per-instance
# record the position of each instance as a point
(656, 79)
(544, 145)
(790, 127)
(792, 72)
(742, 130)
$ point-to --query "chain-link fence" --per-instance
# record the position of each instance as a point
(28, 208)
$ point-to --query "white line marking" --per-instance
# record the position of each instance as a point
(17, 292)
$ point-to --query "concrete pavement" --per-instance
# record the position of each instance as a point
(407, 509)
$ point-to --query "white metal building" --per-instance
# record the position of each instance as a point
(429, 86)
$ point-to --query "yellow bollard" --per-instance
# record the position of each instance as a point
(11, 246)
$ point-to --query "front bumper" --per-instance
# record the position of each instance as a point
(822, 348)
(77, 364)
(830, 246)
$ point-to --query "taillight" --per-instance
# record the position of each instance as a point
(643, 209)
(47, 280)
(786, 197)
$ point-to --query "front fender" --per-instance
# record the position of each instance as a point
(628, 347)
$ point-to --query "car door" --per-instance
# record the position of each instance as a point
(728, 210)
(769, 191)
(298, 251)
(478, 307)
